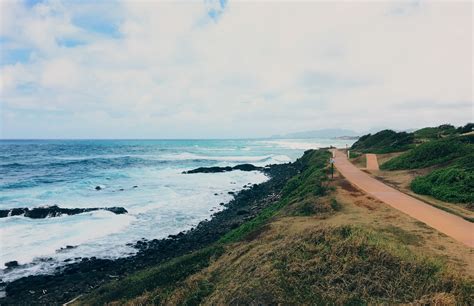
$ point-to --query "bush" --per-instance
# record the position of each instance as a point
(385, 141)
(451, 184)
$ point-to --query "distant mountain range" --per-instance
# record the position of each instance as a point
(324, 133)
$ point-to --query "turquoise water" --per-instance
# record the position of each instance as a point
(165, 201)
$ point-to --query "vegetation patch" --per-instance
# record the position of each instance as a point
(385, 141)
(432, 153)
(353, 154)
(451, 184)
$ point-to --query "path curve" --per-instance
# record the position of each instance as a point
(449, 224)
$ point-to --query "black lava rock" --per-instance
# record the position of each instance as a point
(54, 211)
(11, 264)
(243, 167)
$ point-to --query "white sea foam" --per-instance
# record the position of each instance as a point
(166, 202)
(23, 239)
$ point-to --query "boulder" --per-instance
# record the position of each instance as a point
(11, 264)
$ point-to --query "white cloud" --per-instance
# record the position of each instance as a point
(257, 69)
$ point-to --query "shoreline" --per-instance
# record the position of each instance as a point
(82, 277)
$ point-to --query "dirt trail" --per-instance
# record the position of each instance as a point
(451, 225)
(372, 163)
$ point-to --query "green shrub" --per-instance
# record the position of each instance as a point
(451, 184)
(385, 141)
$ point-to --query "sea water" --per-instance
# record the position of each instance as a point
(143, 176)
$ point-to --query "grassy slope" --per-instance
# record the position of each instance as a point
(342, 265)
(253, 265)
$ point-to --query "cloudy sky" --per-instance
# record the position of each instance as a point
(149, 69)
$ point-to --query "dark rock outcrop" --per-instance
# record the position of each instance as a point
(54, 211)
(243, 167)
(11, 264)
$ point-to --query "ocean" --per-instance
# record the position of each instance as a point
(143, 176)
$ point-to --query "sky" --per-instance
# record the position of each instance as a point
(229, 69)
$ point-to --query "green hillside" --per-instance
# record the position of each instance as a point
(436, 132)
(435, 152)
(385, 141)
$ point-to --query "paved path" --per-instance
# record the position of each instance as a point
(449, 224)
(372, 163)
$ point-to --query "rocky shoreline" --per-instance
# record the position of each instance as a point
(82, 277)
